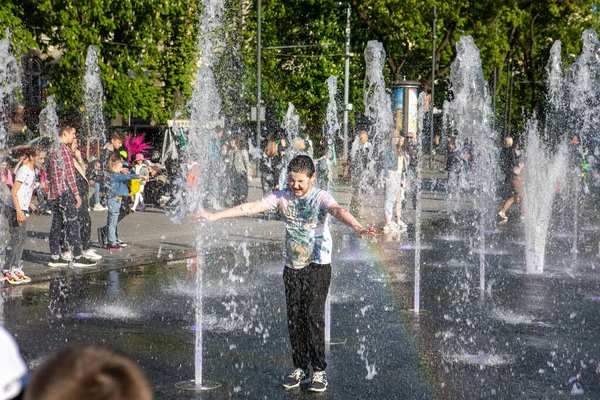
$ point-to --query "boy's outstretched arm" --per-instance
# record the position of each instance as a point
(344, 216)
(256, 207)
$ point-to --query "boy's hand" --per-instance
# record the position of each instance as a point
(203, 215)
(365, 231)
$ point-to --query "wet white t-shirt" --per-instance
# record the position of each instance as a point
(26, 176)
(307, 236)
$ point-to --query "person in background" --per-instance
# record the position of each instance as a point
(299, 145)
(88, 372)
(412, 154)
(43, 205)
(16, 213)
(358, 164)
(6, 174)
(140, 168)
(114, 146)
(269, 168)
(394, 173)
(117, 190)
(305, 211)
(95, 177)
(309, 145)
(240, 170)
(509, 159)
(65, 200)
(223, 171)
(323, 166)
(83, 212)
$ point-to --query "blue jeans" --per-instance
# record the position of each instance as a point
(114, 205)
(96, 193)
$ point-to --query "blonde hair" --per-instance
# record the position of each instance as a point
(271, 148)
(113, 161)
(298, 144)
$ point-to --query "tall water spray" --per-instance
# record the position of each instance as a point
(333, 125)
(584, 89)
(545, 161)
(92, 95)
(583, 86)
(378, 104)
(48, 125)
(204, 109)
(417, 288)
(543, 172)
(471, 119)
(378, 108)
(291, 125)
(10, 81)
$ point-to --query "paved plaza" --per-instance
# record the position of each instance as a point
(522, 337)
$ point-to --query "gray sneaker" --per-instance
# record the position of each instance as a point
(319, 382)
(294, 379)
(83, 262)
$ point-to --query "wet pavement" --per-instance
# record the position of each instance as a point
(522, 337)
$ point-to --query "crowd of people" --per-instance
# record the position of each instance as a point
(58, 181)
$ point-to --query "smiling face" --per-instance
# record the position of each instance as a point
(300, 183)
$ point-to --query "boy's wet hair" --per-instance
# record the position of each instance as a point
(302, 164)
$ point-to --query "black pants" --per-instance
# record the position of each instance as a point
(65, 218)
(305, 294)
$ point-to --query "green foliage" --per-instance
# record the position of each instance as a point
(514, 37)
(146, 49)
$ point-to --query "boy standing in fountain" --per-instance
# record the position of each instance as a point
(307, 271)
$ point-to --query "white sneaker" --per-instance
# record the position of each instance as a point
(502, 215)
(67, 256)
(91, 255)
(402, 225)
(98, 207)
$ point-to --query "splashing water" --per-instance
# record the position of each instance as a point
(470, 116)
(291, 124)
(10, 81)
(471, 119)
(542, 174)
(378, 105)
(48, 125)
(92, 95)
(204, 107)
(325, 165)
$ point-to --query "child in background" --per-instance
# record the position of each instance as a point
(6, 175)
(17, 205)
(307, 274)
(117, 191)
(140, 168)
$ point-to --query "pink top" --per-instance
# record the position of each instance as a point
(7, 177)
